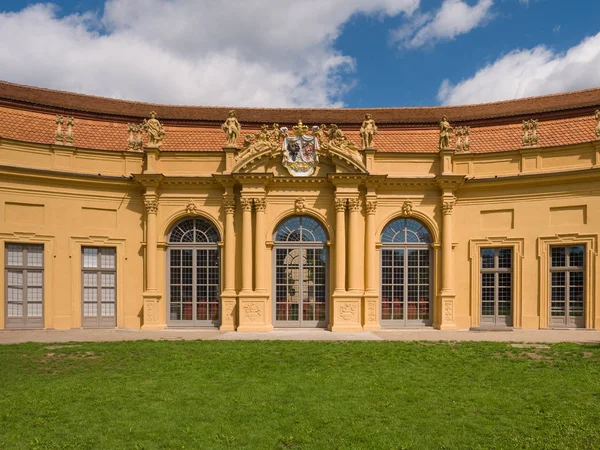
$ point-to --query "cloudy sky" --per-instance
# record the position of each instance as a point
(309, 53)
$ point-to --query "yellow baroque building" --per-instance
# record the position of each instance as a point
(451, 217)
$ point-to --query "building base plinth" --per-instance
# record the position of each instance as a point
(371, 312)
(151, 319)
(253, 312)
(347, 312)
(446, 301)
(228, 311)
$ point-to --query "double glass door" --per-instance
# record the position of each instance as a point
(300, 286)
(405, 286)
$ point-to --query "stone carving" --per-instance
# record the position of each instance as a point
(150, 316)
(335, 141)
(368, 130)
(371, 206)
(353, 204)
(154, 130)
(232, 129)
(300, 151)
(228, 311)
(260, 204)
(530, 136)
(445, 133)
(448, 205)
(348, 312)
(407, 208)
(597, 124)
(246, 204)
(59, 134)
(340, 204)
(252, 312)
(151, 205)
(191, 208)
(229, 205)
(299, 206)
(448, 310)
(265, 140)
(69, 132)
(463, 143)
(372, 316)
(135, 137)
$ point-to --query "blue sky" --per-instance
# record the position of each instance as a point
(313, 53)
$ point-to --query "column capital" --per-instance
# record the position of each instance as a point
(340, 204)
(246, 204)
(151, 203)
(260, 204)
(229, 205)
(448, 203)
(354, 204)
(371, 206)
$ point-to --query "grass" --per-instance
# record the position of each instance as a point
(298, 395)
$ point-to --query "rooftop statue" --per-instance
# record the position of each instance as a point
(368, 130)
(154, 131)
(232, 129)
(597, 124)
(445, 133)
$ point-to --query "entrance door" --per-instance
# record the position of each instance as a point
(24, 277)
(406, 274)
(496, 287)
(567, 281)
(99, 278)
(300, 279)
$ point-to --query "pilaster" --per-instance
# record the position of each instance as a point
(371, 295)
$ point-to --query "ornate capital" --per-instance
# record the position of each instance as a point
(407, 208)
(340, 204)
(448, 205)
(354, 204)
(151, 204)
(260, 204)
(371, 206)
(229, 205)
(246, 204)
(299, 206)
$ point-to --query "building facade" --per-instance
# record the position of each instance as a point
(448, 217)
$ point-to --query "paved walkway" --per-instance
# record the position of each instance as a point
(425, 334)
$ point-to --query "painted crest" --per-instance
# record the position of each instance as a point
(300, 156)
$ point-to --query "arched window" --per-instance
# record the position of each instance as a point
(300, 278)
(300, 229)
(402, 230)
(406, 275)
(194, 264)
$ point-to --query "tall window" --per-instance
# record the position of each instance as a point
(406, 273)
(300, 273)
(99, 274)
(194, 273)
(496, 286)
(567, 281)
(24, 276)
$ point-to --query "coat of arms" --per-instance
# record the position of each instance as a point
(300, 156)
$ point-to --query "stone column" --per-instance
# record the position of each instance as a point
(340, 245)
(260, 205)
(151, 295)
(354, 265)
(229, 297)
(447, 294)
(246, 205)
(371, 309)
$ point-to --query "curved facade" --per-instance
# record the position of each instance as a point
(488, 218)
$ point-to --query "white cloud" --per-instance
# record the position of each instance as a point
(455, 17)
(529, 72)
(246, 53)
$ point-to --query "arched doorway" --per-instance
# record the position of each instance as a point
(194, 274)
(406, 274)
(300, 279)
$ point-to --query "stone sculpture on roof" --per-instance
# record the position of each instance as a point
(463, 143)
(597, 124)
(232, 129)
(530, 136)
(154, 130)
(368, 130)
(445, 133)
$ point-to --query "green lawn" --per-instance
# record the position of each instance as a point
(298, 395)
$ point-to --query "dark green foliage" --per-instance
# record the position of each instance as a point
(298, 395)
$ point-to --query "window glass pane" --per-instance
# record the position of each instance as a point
(108, 280)
(90, 257)
(15, 278)
(90, 279)
(557, 255)
(576, 256)
(15, 254)
(487, 258)
(34, 309)
(108, 258)
(90, 309)
(35, 255)
(505, 258)
(34, 278)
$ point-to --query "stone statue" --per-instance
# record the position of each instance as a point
(445, 133)
(154, 131)
(232, 129)
(69, 132)
(598, 124)
(530, 136)
(368, 129)
(463, 143)
(59, 133)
